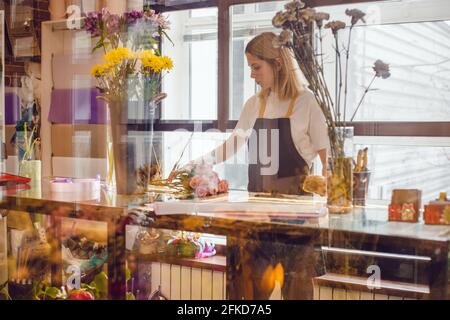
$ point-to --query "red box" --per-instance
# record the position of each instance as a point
(403, 212)
(437, 214)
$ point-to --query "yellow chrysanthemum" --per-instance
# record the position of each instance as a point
(168, 63)
(146, 54)
(116, 56)
(101, 70)
(155, 63)
(96, 71)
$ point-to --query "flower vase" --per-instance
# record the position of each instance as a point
(122, 151)
(340, 175)
(30, 169)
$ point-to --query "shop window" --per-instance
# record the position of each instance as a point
(192, 85)
(413, 38)
(247, 21)
(415, 44)
(405, 162)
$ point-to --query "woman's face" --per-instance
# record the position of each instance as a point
(261, 71)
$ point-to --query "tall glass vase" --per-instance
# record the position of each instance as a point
(340, 175)
(122, 152)
(129, 156)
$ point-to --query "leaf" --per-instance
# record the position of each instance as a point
(101, 284)
(167, 36)
(127, 275)
(98, 45)
(91, 288)
(52, 292)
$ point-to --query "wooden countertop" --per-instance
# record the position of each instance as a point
(370, 220)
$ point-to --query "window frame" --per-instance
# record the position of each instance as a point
(223, 122)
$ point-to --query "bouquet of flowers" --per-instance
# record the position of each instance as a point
(198, 181)
(133, 65)
(132, 70)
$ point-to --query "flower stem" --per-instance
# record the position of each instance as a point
(362, 98)
(346, 71)
(338, 76)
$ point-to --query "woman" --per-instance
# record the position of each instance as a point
(287, 112)
(285, 107)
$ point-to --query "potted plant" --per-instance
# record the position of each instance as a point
(29, 165)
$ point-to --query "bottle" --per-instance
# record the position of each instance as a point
(442, 199)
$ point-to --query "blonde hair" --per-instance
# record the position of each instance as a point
(286, 79)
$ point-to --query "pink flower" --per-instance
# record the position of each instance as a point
(213, 190)
(203, 169)
(223, 186)
(195, 181)
(212, 179)
(201, 191)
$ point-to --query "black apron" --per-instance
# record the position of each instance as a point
(292, 169)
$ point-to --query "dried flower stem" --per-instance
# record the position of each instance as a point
(346, 70)
(321, 50)
(362, 98)
(338, 76)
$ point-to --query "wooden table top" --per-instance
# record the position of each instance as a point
(289, 220)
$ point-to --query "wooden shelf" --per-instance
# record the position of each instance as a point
(215, 263)
(63, 24)
(402, 289)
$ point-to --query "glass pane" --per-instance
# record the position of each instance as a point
(415, 44)
(407, 163)
(192, 85)
(247, 21)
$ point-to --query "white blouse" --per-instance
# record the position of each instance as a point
(308, 126)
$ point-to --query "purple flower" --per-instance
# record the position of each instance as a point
(158, 20)
(113, 23)
(133, 16)
(162, 21)
(104, 13)
(92, 23)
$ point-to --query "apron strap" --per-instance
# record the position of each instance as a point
(291, 107)
(262, 106)
(263, 102)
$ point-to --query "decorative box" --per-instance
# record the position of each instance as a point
(438, 212)
(405, 205)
